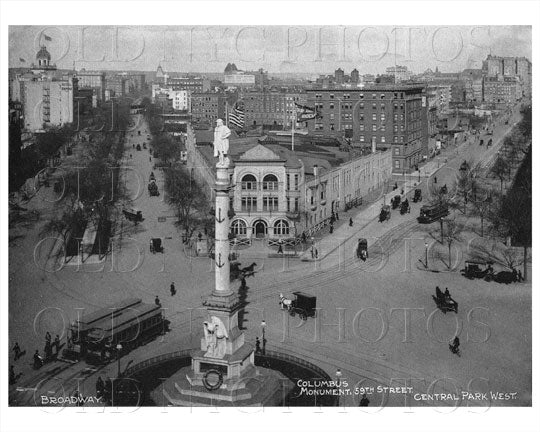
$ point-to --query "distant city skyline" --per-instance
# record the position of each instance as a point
(306, 50)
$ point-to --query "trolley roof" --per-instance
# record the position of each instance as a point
(88, 320)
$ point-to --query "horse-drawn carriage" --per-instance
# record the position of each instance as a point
(417, 195)
(478, 270)
(156, 245)
(404, 208)
(362, 249)
(396, 201)
(305, 305)
(444, 301)
(153, 189)
(133, 215)
(385, 213)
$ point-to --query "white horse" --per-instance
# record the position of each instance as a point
(284, 302)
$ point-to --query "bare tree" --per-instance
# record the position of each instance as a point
(452, 234)
(500, 170)
(187, 197)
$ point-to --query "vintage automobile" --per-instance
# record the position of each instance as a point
(385, 213)
(133, 215)
(444, 302)
(362, 249)
(417, 195)
(404, 208)
(156, 245)
(431, 213)
(396, 201)
(478, 270)
(304, 305)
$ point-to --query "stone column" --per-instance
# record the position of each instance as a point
(222, 232)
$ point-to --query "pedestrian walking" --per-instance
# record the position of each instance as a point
(257, 345)
(316, 253)
(48, 350)
(199, 236)
(350, 222)
(331, 229)
(364, 402)
(157, 302)
(435, 180)
(312, 253)
(48, 337)
(337, 216)
(149, 158)
(173, 289)
(38, 361)
(99, 386)
(57, 344)
(17, 351)
(520, 276)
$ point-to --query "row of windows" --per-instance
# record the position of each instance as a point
(239, 227)
(249, 204)
(361, 96)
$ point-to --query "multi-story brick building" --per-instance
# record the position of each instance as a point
(511, 67)
(207, 107)
(117, 84)
(94, 80)
(379, 116)
(271, 108)
(502, 91)
(192, 84)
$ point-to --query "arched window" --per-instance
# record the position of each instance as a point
(281, 227)
(270, 182)
(239, 227)
(249, 182)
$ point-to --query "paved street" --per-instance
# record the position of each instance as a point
(365, 298)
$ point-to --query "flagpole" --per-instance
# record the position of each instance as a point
(292, 129)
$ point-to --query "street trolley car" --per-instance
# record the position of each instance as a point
(431, 213)
(94, 337)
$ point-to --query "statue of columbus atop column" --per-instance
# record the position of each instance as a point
(221, 143)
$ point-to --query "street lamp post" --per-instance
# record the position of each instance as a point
(426, 249)
(263, 327)
(118, 351)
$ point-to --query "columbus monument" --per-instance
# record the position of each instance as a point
(223, 370)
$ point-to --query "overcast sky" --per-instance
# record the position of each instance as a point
(311, 50)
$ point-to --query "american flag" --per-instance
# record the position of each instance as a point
(237, 117)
